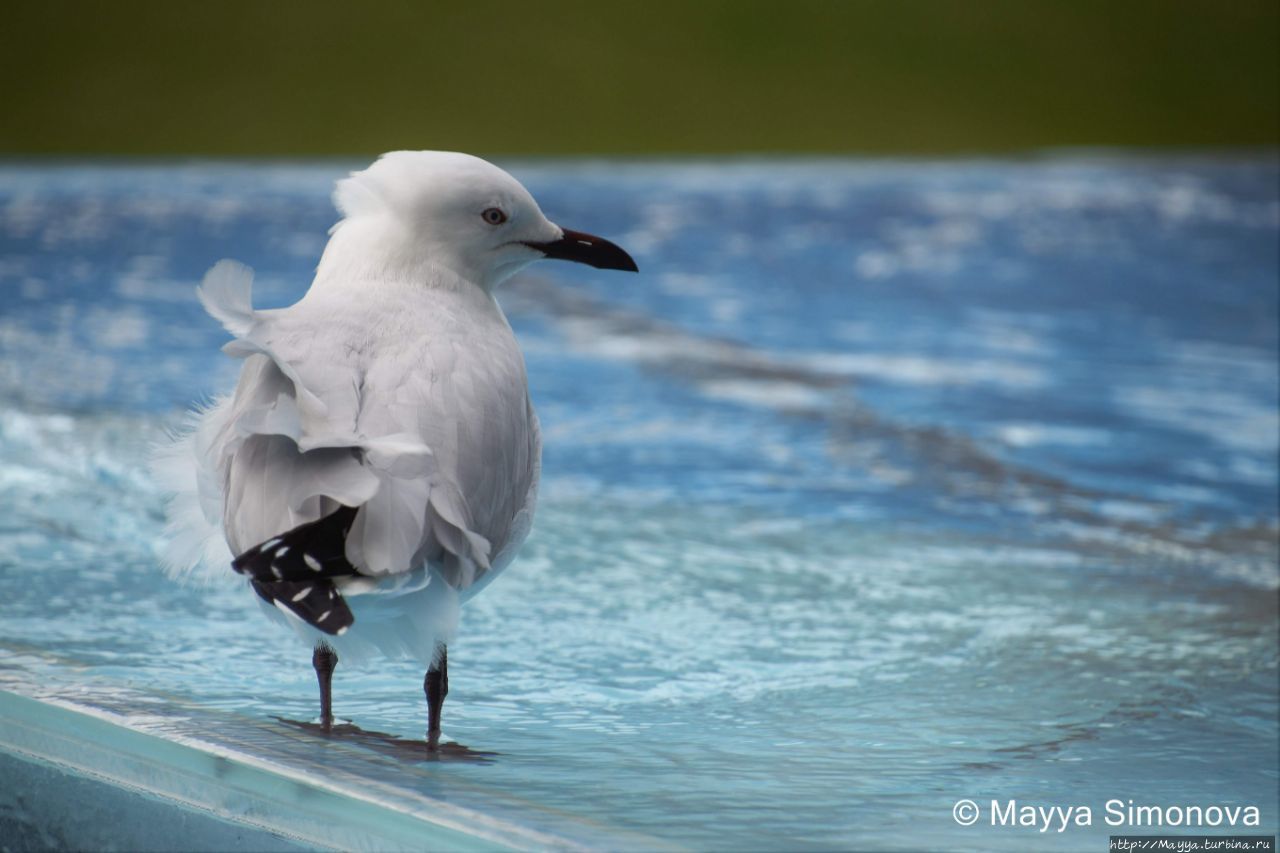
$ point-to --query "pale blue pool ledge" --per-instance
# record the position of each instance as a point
(92, 765)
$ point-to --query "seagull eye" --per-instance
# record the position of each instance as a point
(494, 216)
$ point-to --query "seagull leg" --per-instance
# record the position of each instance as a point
(436, 685)
(325, 660)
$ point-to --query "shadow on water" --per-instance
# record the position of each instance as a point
(401, 749)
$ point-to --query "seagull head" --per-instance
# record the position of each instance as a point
(412, 212)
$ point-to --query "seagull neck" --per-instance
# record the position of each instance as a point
(380, 254)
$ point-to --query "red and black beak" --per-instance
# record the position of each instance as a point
(587, 249)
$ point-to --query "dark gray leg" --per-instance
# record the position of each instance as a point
(436, 684)
(325, 660)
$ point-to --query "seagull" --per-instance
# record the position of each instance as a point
(378, 461)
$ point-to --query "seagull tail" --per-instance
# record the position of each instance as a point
(295, 571)
(315, 602)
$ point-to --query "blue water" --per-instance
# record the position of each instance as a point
(885, 484)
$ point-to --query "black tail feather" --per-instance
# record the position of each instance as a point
(308, 552)
(315, 602)
(296, 570)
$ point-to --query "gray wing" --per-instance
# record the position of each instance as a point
(304, 435)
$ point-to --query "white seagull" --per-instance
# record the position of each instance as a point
(378, 461)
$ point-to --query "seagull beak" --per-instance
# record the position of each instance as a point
(587, 249)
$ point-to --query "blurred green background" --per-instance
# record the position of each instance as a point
(654, 77)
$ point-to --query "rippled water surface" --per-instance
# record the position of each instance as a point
(883, 485)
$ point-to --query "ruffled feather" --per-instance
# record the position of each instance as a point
(307, 431)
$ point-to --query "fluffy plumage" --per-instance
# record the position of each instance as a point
(392, 397)
(378, 461)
